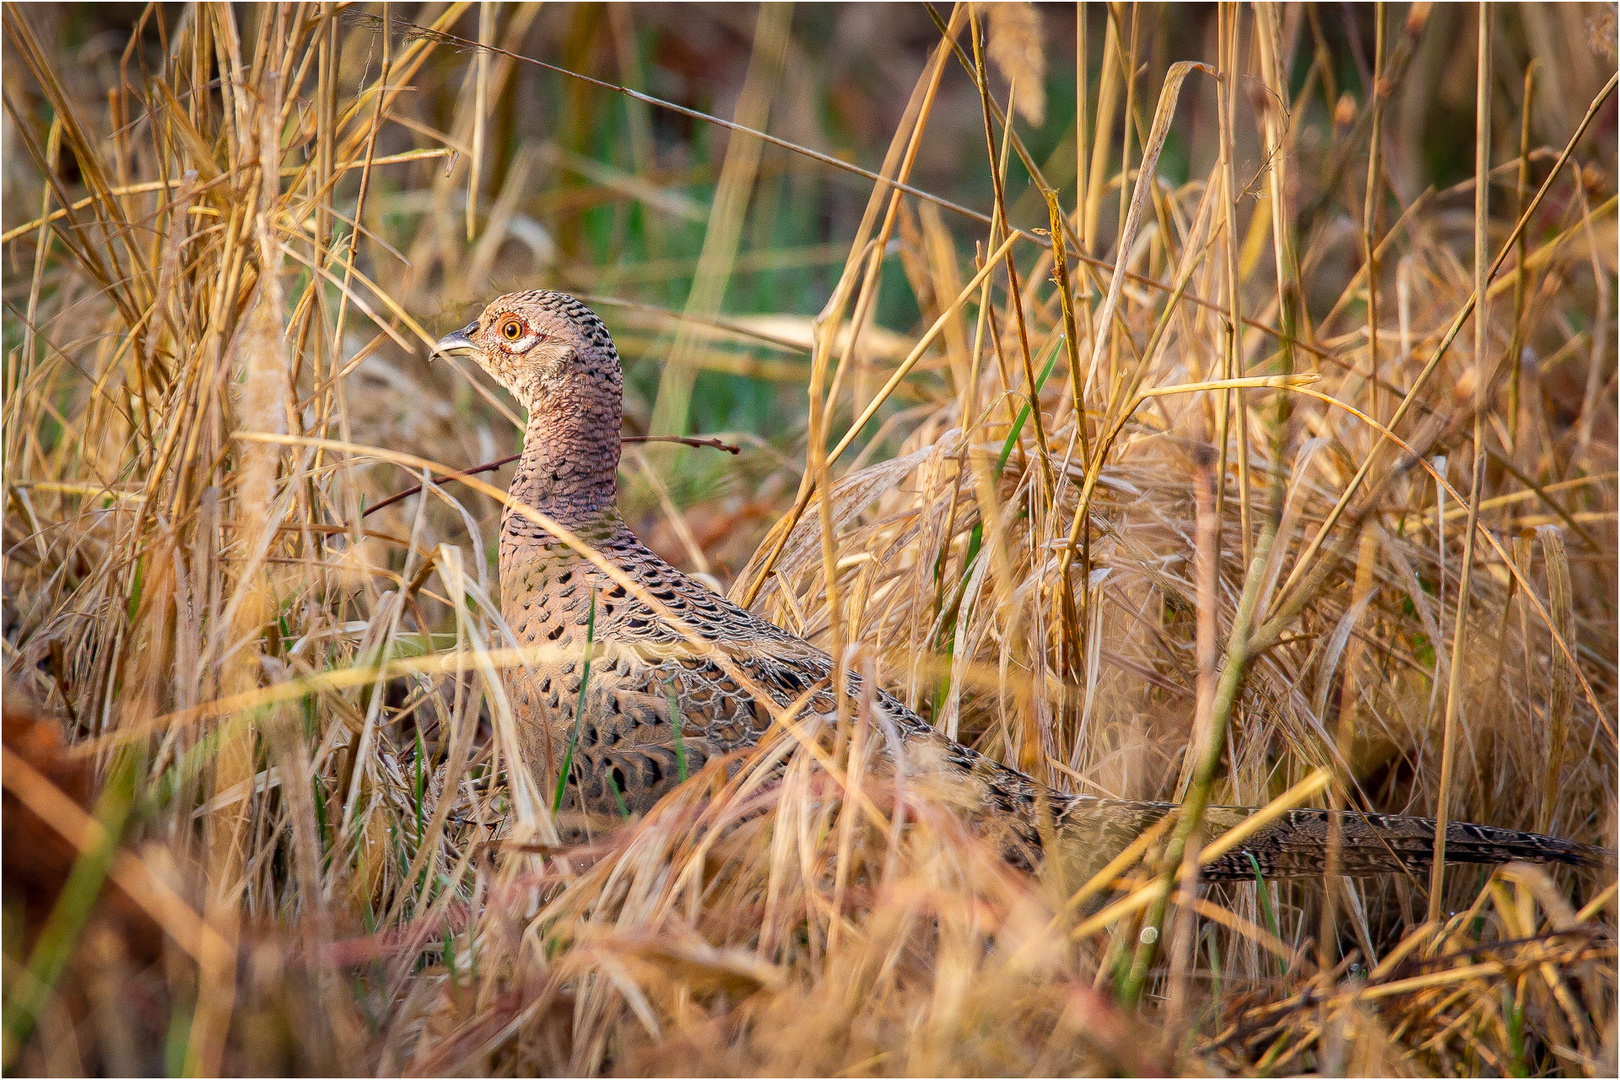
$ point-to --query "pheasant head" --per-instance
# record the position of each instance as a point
(540, 345)
(558, 360)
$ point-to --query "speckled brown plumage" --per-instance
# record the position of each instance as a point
(555, 355)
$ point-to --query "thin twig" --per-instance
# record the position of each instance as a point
(1459, 634)
(491, 466)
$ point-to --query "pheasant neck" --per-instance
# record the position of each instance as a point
(570, 464)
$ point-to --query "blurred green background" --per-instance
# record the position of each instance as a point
(621, 201)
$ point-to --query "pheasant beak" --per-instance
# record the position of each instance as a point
(459, 343)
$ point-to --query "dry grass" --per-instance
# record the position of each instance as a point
(1224, 552)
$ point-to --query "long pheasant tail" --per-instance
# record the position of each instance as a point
(1296, 845)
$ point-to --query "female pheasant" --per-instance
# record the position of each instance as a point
(668, 642)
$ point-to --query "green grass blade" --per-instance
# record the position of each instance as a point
(675, 724)
(1023, 415)
(579, 706)
(1265, 902)
(618, 796)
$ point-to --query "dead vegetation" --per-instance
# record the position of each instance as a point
(1319, 498)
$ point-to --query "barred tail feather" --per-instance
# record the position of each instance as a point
(1295, 845)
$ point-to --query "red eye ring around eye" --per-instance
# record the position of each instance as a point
(511, 329)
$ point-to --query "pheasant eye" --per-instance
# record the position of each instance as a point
(511, 329)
